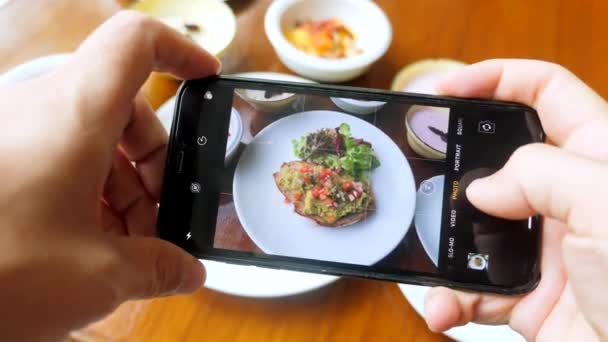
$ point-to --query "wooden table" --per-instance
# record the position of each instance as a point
(569, 32)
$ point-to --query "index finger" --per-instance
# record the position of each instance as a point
(133, 45)
(110, 67)
(563, 101)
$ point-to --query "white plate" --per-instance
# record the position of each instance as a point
(274, 226)
(469, 333)
(33, 68)
(251, 281)
(429, 201)
(166, 111)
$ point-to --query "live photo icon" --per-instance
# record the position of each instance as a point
(477, 262)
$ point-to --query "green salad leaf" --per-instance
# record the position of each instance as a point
(337, 149)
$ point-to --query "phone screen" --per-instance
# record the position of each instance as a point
(360, 181)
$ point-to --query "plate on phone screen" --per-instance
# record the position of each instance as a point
(249, 281)
(277, 229)
(468, 333)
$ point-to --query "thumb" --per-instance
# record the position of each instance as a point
(546, 180)
(156, 268)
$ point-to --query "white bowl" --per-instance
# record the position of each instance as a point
(368, 22)
(216, 20)
(360, 107)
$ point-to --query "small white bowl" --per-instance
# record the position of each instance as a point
(367, 21)
(359, 107)
(216, 20)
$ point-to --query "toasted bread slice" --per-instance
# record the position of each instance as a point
(299, 205)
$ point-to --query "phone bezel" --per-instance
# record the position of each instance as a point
(169, 217)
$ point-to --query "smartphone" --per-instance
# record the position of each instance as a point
(346, 181)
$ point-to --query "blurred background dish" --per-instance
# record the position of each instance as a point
(426, 126)
(360, 107)
(210, 23)
(470, 332)
(421, 76)
(251, 281)
(349, 35)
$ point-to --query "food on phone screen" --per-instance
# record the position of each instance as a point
(329, 38)
(330, 197)
(330, 185)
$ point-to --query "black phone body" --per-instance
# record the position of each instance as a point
(241, 150)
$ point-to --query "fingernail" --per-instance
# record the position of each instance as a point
(194, 277)
(219, 67)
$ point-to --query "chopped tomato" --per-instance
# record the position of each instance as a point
(325, 173)
(297, 195)
(307, 179)
(322, 196)
(315, 192)
(328, 202)
(347, 185)
(305, 169)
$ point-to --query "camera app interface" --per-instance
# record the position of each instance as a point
(367, 183)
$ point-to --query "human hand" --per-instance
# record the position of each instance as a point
(566, 183)
(82, 156)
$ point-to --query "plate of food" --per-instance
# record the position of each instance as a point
(324, 185)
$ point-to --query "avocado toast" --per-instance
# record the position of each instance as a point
(331, 197)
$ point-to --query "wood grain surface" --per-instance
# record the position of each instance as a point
(569, 32)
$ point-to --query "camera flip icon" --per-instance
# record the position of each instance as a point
(486, 127)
